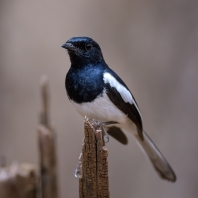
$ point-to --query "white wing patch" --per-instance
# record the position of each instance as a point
(125, 94)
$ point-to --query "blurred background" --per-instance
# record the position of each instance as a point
(152, 45)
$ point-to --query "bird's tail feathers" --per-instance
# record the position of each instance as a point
(158, 160)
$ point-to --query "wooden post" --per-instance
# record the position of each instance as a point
(47, 147)
(93, 179)
(18, 181)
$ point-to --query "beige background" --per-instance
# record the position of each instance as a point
(152, 45)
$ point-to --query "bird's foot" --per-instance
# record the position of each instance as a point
(102, 125)
(105, 134)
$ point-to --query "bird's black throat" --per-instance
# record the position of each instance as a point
(84, 84)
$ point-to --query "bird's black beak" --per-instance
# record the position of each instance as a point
(68, 46)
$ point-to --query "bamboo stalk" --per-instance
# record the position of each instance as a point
(47, 147)
(93, 181)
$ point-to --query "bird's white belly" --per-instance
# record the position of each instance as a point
(101, 109)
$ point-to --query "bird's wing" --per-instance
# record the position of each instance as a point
(122, 98)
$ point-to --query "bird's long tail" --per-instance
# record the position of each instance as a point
(158, 160)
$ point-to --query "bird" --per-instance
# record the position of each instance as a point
(97, 92)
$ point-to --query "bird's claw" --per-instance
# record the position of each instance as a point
(105, 134)
(103, 125)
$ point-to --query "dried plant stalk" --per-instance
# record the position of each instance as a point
(47, 147)
(18, 181)
(93, 182)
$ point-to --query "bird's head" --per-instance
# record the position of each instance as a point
(83, 51)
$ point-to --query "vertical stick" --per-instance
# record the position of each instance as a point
(93, 182)
(47, 147)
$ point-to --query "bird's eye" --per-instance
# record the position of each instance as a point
(88, 47)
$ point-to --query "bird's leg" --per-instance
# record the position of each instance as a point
(105, 134)
(103, 125)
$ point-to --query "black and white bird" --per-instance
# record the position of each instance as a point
(97, 92)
